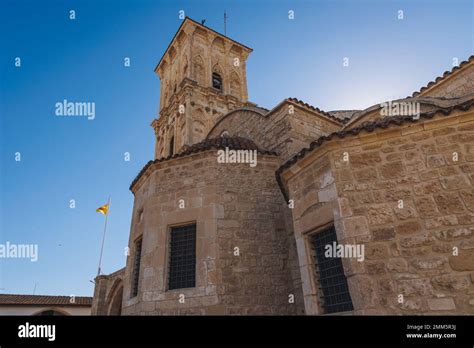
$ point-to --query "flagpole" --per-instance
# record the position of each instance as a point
(103, 236)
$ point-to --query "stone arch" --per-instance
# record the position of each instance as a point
(227, 121)
(172, 54)
(50, 311)
(244, 122)
(200, 34)
(199, 71)
(236, 50)
(181, 38)
(235, 86)
(217, 69)
(218, 77)
(114, 299)
(218, 45)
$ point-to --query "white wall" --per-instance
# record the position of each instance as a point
(31, 310)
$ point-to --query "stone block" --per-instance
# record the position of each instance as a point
(451, 282)
(441, 304)
(426, 206)
(408, 227)
(449, 203)
(464, 261)
(414, 287)
(383, 233)
(392, 170)
(429, 263)
(354, 226)
(363, 291)
(380, 214)
(399, 265)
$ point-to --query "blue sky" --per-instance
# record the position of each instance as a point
(82, 60)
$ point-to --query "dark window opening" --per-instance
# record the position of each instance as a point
(182, 257)
(333, 283)
(172, 146)
(136, 267)
(217, 81)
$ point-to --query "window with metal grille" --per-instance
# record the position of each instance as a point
(333, 283)
(136, 267)
(182, 257)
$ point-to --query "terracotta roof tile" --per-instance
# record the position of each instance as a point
(445, 74)
(367, 127)
(217, 143)
(14, 299)
(318, 110)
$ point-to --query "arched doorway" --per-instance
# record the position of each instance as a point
(115, 302)
(49, 312)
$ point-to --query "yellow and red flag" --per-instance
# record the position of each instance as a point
(103, 209)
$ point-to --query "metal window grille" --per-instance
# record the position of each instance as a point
(136, 267)
(333, 282)
(182, 257)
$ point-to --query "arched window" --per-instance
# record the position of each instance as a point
(217, 81)
(225, 134)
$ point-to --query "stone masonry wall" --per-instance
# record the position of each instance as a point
(422, 250)
(264, 275)
(278, 130)
(105, 285)
(305, 127)
(156, 208)
(456, 86)
(233, 205)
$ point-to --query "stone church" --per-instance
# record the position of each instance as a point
(345, 212)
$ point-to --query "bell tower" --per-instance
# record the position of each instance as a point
(202, 77)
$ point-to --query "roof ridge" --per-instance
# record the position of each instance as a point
(442, 77)
(318, 110)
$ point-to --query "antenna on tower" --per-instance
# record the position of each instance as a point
(225, 23)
